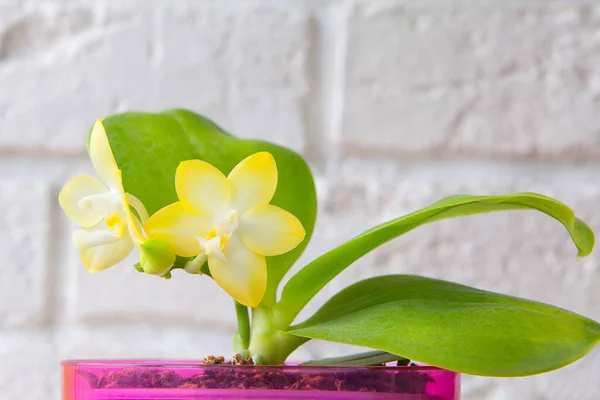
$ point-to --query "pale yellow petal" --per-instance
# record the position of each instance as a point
(105, 253)
(103, 160)
(179, 225)
(202, 186)
(243, 276)
(138, 206)
(133, 223)
(76, 189)
(270, 230)
(253, 182)
(97, 235)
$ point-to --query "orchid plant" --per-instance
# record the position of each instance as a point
(192, 197)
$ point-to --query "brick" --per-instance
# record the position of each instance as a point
(252, 62)
(55, 87)
(269, 68)
(521, 253)
(453, 81)
(193, 76)
(26, 226)
(110, 342)
(29, 368)
(121, 295)
(64, 65)
(146, 342)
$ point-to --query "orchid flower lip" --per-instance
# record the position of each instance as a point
(232, 216)
(213, 247)
(227, 225)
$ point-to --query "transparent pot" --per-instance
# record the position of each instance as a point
(185, 380)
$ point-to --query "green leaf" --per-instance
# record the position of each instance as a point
(453, 326)
(370, 358)
(149, 147)
(314, 276)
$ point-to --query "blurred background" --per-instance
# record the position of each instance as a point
(394, 103)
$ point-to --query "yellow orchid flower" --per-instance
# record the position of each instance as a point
(228, 220)
(101, 207)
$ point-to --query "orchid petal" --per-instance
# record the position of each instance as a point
(253, 182)
(103, 160)
(97, 235)
(73, 192)
(270, 230)
(138, 206)
(179, 225)
(99, 250)
(133, 223)
(243, 276)
(203, 187)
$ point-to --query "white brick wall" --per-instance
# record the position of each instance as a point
(395, 103)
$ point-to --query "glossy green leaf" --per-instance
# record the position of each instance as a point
(453, 326)
(149, 147)
(314, 276)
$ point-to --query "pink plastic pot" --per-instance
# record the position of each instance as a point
(180, 380)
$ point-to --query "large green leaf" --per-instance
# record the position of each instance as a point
(314, 276)
(453, 326)
(149, 147)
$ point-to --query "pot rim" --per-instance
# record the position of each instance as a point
(181, 363)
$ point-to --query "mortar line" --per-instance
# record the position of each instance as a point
(54, 264)
(40, 153)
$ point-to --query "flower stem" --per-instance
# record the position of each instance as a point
(242, 340)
